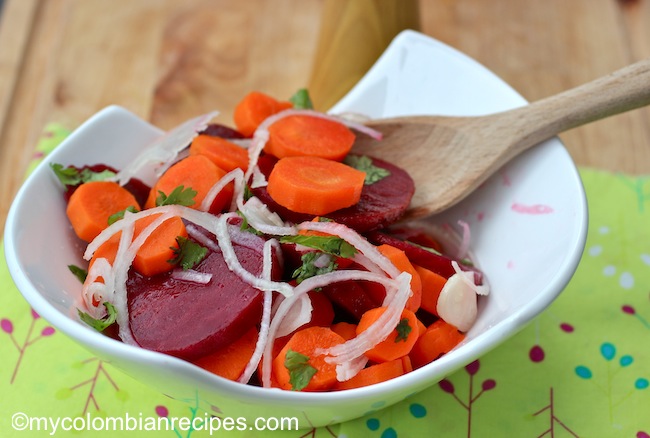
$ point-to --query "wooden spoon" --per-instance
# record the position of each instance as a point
(449, 157)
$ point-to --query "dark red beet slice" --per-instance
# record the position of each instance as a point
(440, 264)
(381, 203)
(223, 131)
(190, 320)
(350, 297)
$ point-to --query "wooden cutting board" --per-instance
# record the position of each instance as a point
(168, 60)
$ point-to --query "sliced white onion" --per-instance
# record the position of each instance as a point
(225, 243)
(457, 303)
(468, 278)
(379, 330)
(165, 148)
(323, 260)
(262, 338)
(264, 220)
(464, 244)
(191, 275)
(299, 313)
(201, 237)
(259, 180)
(235, 175)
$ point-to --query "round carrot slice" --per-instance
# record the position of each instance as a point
(314, 185)
(300, 135)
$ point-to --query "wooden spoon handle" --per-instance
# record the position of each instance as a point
(623, 90)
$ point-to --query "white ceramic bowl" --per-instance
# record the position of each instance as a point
(528, 227)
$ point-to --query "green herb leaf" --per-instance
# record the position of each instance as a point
(179, 196)
(308, 269)
(329, 244)
(88, 175)
(120, 214)
(78, 272)
(248, 192)
(364, 164)
(403, 330)
(245, 226)
(300, 372)
(301, 99)
(100, 324)
(188, 254)
(71, 176)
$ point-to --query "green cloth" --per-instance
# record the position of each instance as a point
(579, 369)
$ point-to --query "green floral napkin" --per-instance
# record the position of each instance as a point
(580, 369)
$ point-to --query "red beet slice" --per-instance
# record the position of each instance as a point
(189, 320)
(381, 203)
(223, 131)
(350, 297)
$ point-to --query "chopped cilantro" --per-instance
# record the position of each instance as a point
(71, 176)
(248, 192)
(80, 273)
(403, 330)
(301, 99)
(180, 196)
(245, 226)
(329, 244)
(188, 254)
(300, 372)
(120, 214)
(308, 269)
(364, 164)
(100, 324)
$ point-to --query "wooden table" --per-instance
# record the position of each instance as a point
(168, 60)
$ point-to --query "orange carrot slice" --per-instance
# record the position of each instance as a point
(305, 342)
(401, 340)
(300, 135)
(230, 361)
(401, 262)
(314, 185)
(439, 339)
(253, 109)
(373, 374)
(153, 256)
(197, 173)
(345, 329)
(91, 205)
(226, 155)
(432, 285)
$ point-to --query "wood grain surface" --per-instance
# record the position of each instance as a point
(166, 60)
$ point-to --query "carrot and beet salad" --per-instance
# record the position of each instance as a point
(267, 253)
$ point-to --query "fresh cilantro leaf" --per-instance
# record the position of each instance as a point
(88, 175)
(403, 330)
(71, 176)
(300, 372)
(188, 254)
(248, 192)
(329, 244)
(364, 164)
(80, 273)
(100, 324)
(180, 196)
(120, 214)
(245, 226)
(301, 99)
(308, 269)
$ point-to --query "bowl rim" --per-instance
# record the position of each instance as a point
(449, 363)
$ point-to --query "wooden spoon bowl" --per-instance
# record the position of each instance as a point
(449, 157)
